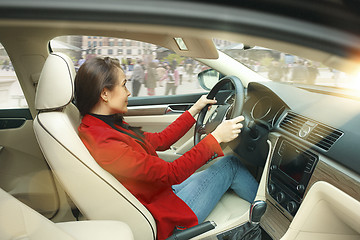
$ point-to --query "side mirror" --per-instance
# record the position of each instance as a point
(208, 78)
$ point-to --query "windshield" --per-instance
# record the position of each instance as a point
(271, 64)
(287, 68)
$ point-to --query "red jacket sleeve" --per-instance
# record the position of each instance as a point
(165, 139)
(129, 161)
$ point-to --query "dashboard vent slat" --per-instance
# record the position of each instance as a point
(324, 136)
(292, 123)
(320, 135)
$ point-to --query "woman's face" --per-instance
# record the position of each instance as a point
(117, 99)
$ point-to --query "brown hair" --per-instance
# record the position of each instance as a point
(92, 77)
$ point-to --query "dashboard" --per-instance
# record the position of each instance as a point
(312, 137)
(326, 124)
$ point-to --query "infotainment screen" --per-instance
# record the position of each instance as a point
(293, 161)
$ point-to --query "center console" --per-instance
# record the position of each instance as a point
(290, 171)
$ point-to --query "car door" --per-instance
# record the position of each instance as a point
(24, 172)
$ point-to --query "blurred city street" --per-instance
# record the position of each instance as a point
(11, 94)
(188, 85)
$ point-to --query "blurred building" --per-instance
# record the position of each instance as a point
(70, 45)
(123, 49)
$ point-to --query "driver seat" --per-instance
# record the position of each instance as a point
(96, 193)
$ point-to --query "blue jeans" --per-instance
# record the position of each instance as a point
(203, 190)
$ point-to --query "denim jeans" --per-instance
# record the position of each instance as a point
(203, 190)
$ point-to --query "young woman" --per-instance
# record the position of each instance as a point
(169, 190)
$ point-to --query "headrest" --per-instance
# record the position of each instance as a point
(56, 84)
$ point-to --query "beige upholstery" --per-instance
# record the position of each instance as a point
(97, 229)
(327, 213)
(96, 193)
(18, 221)
(56, 77)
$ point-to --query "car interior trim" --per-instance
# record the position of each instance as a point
(157, 109)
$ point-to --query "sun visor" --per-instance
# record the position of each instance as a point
(193, 47)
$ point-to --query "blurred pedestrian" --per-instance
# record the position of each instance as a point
(172, 80)
(137, 78)
(160, 70)
(189, 70)
(275, 72)
(300, 72)
(313, 72)
(5, 65)
(181, 71)
(151, 78)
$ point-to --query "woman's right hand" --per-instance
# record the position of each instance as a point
(228, 130)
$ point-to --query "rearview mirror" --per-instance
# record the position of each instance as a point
(208, 78)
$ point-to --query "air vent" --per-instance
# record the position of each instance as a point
(314, 132)
(324, 136)
(293, 123)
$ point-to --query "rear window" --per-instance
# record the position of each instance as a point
(11, 94)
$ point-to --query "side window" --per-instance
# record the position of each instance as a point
(11, 95)
(151, 70)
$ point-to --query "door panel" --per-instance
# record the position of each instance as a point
(160, 100)
(24, 172)
(155, 113)
(157, 124)
(7, 123)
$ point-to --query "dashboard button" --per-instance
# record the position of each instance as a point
(280, 197)
(300, 188)
(291, 206)
(271, 188)
(273, 167)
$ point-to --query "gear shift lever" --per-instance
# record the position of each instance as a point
(251, 230)
(257, 210)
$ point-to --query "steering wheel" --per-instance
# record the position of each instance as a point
(225, 110)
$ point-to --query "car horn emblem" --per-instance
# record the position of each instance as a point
(213, 116)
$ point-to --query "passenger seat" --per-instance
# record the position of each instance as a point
(18, 221)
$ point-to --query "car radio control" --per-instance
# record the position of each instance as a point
(272, 188)
(280, 197)
(273, 167)
(300, 188)
(289, 174)
(291, 206)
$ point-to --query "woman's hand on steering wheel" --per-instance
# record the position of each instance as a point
(200, 104)
(228, 130)
(224, 110)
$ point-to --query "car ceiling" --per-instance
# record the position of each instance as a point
(257, 22)
(339, 14)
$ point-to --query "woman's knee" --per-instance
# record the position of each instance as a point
(232, 160)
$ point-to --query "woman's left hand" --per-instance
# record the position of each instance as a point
(200, 104)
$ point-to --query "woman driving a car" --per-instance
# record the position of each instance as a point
(172, 191)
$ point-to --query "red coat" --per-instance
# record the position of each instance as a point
(149, 178)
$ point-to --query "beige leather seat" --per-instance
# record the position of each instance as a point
(18, 221)
(96, 193)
